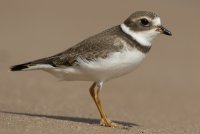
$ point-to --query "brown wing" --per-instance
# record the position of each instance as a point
(94, 47)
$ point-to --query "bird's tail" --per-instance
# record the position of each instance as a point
(20, 67)
(44, 63)
(31, 66)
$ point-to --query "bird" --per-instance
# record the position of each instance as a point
(109, 54)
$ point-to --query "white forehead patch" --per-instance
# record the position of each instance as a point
(156, 21)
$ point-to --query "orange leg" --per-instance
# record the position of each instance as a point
(105, 121)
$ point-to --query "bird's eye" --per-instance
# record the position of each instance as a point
(144, 22)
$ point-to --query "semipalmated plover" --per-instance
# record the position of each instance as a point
(112, 53)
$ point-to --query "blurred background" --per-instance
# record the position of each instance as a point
(161, 96)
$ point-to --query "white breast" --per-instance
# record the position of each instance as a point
(115, 65)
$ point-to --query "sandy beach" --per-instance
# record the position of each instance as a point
(161, 97)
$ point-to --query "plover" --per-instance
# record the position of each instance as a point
(112, 53)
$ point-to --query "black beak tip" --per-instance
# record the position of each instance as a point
(167, 33)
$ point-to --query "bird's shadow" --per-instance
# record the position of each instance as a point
(69, 118)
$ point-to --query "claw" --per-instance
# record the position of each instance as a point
(109, 123)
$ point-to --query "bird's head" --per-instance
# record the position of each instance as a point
(144, 26)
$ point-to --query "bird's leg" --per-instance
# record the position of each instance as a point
(93, 94)
(105, 121)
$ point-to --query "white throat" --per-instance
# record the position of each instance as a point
(144, 37)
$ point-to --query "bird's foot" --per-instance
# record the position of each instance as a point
(108, 123)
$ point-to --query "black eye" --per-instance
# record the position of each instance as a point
(144, 22)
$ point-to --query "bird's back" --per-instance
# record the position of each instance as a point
(97, 46)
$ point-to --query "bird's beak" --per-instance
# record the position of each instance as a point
(163, 30)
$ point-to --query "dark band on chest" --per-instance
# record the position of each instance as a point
(134, 43)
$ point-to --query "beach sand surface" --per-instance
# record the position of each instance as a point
(160, 97)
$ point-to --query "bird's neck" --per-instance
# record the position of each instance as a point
(134, 42)
(144, 38)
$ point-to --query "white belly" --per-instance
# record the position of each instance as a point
(115, 65)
